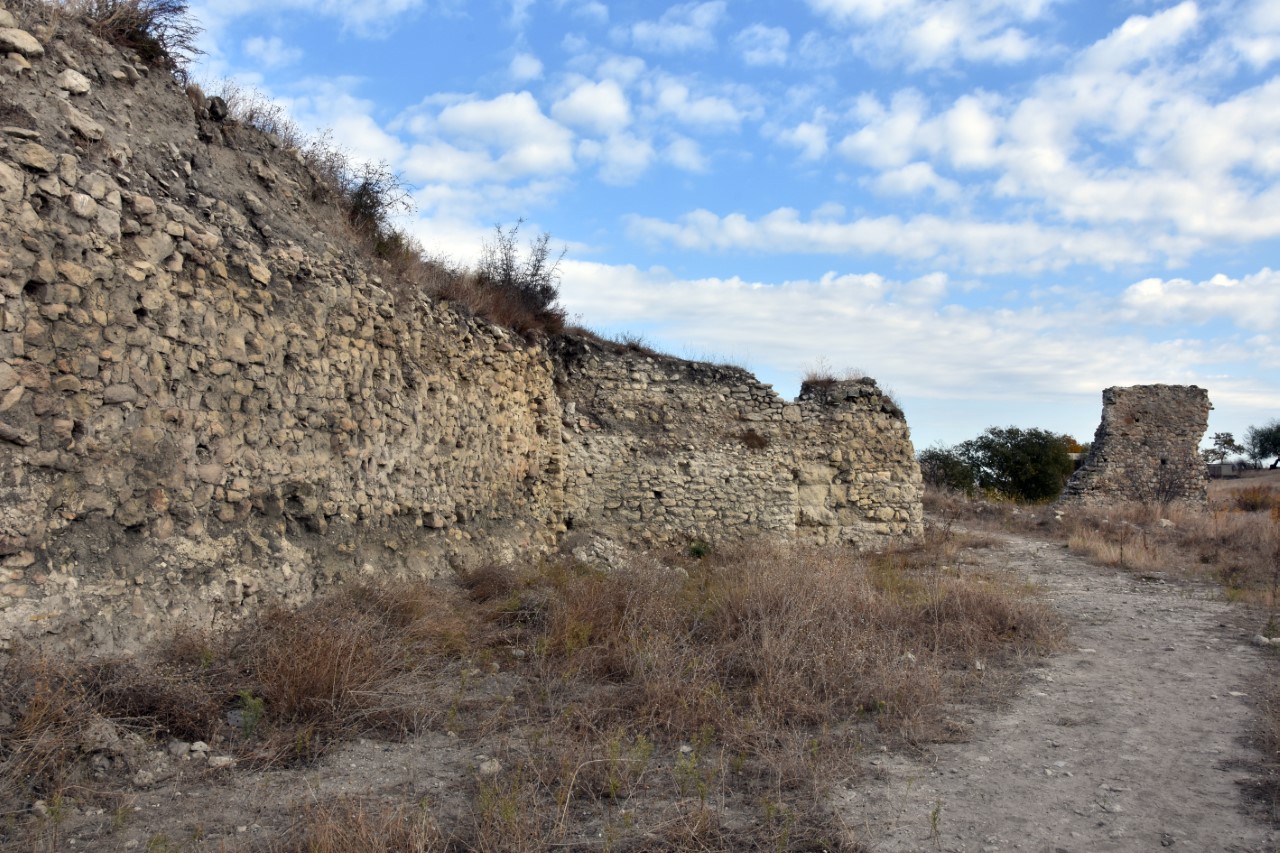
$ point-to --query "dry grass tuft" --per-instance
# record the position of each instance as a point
(352, 826)
(676, 703)
(1256, 499)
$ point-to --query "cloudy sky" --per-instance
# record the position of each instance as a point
(995, 207)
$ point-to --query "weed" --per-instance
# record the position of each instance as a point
(252, 710)
(698, 549)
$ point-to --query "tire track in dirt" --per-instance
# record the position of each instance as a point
(1135, 737)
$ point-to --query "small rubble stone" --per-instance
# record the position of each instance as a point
(81, 123)
(73, 81)
(36, 157)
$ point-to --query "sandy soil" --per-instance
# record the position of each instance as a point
(1137, 737)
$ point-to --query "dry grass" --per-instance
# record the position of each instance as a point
(1255, 499)
(1233, 541)
(351, 826)
(676, 703)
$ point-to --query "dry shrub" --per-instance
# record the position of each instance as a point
(1239, 549)
(348, 664)
(49, 712)
(1256, 499)
(741, 682)
(501, 306)
(161, 32)
(778, 636)
(167, 700)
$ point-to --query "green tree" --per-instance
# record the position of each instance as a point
(942, 467)
(1264, 442)
(1029, 464)
(1224, 445)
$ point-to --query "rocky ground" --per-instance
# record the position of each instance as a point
(1139, 736)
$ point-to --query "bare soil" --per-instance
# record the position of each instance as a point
(1139, 736)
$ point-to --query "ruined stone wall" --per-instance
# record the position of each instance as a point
(1146, 448)
(204, 402)
(209, 401)
(664, 450)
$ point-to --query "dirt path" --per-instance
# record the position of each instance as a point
(1134, 738)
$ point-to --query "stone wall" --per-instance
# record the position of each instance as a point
(661, 450)
(209, 401)
(1146, 448)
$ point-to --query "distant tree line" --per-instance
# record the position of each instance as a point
(1260, 444)
(1010, 462)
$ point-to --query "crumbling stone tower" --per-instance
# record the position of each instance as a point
(1146, 448)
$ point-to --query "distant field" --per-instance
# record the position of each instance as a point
(1248, 480)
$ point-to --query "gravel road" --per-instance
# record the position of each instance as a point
(1136, 737)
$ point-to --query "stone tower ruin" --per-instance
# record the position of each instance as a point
(1147, 448)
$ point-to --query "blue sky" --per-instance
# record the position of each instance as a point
(997, 208)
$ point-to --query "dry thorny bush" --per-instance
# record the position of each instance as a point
(673, 703)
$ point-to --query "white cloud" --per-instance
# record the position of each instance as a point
(470, 141)
(686, 155)
(524, 67)
(520, 12)
(889, 137)
(916, 179)
(809, 136)
(936, 33)
(708, 112)
(984, 247)
(1135, 131)
(365, 17)
(329, 103)
(689, 26)
(970, 133)
(1251, 302)
(625, 69)
(591, 10)
(271, 52)
(600, 107)
(623, 157)
(763, 45)
(1142, 38)
(1258, 36)
(856, 319)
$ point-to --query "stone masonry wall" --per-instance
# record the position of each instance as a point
(1146, 448)
(205, 403)
(208, 401)
(664, 450)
